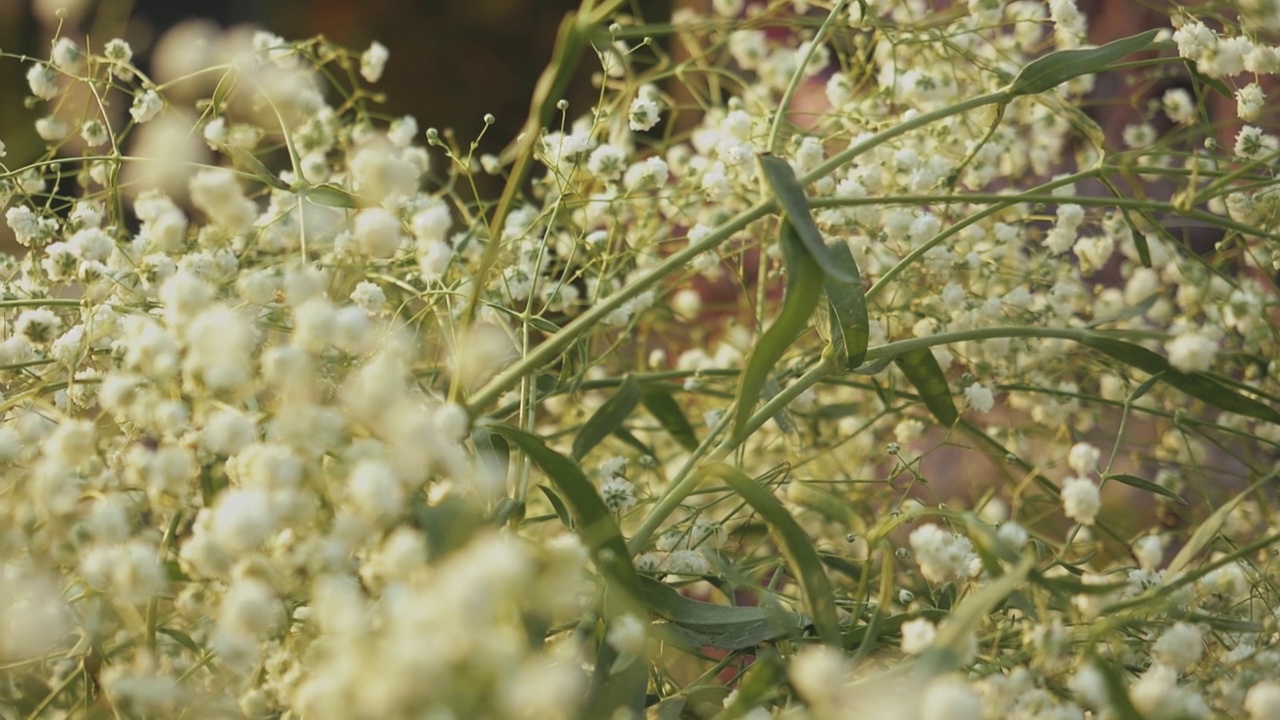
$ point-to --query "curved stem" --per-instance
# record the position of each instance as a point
(686, 481)
(775, 129)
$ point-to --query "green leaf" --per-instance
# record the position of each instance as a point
(808, 495)
(182, 639)
(1218, 86)
(1208, 530)
(558, 505)
(260, 171)
(1142, 484)
(329, 195)
(607, 418)
(595, 524)
(847, 305)
(922, 369)
(1117, 694)
(658, 400)
(795, 206)
(1050, 71)
(665, 601)
(803, 282)
(796, 548)
(1197, 385)
(950, 644)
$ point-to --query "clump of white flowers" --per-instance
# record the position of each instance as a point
(309, 433)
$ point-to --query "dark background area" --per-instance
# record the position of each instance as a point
(451, 62)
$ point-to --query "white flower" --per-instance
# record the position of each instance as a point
(950, 698)
(117, 51)
(377, 232)
(627, 633)
(643, 114)
(43, 81)
(979, 397)
(1012, 533)
(1083, 458)
(1192, 351)
(1249, 101)
(373, 61)
(1180, 646)
(818, 673)
(942, 555)
(1179, 105)
(1081, 500)
(369, 297)
(1263, 701)
(606, 162)
(146, 106)
(618, 494)
(917, 635)
(65, 55)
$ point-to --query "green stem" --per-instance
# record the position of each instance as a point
(687, 480)
(950, 232)
(775, 130)
(584, 323)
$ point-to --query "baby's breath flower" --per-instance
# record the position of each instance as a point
(146, 106)
(1192, 351)
(643, 114)
(1262, 702)
(117, 50)
(1081, 500)
(1249, 102)
(373, 61)
(66, 55)
(38, 326)
(917, 635)
(43, 81)
(979, 397)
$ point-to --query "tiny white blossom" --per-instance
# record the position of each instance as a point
(643, 114)
(917, 635)
(146, 106)
(979, 397)
(373, 61)
(1192, 351)
(1081, 500)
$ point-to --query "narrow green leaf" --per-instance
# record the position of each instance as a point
(922, 369)
(804, 279)
(1117, 694)
(558, 505)
(729, 636)
(1132, 311)
(796, 548)
(850, 326)
(1050, 71)
(1142, 484)
(657, 399)
(795, 206)
(260, 171)
(665, 601)
(182, 639)
(1208, 530)
(329, 195)
(595, 524)
(808, 495)
(949, 645)
(1197, 385)
(1218, 86)
(607, 418)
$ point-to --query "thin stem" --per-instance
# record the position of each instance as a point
(557, 343)
(780, 116)
(687, 479)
